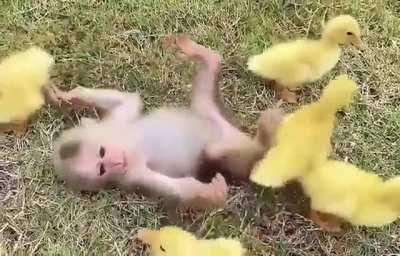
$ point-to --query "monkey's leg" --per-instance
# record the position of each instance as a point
(123, 106)
(233, 150)
(205, 91)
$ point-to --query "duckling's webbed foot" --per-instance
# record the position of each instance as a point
(270, 83)
(327, 222)
(288, 95)
(282, 92)
(18, 128)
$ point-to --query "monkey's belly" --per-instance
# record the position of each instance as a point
(174, 140)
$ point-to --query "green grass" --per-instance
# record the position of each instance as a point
(117, 44)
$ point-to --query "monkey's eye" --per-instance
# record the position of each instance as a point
(349, 33)
(102, 170)
(162, 248)
(102, 152)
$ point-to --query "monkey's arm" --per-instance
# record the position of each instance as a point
(186, 191)
(115, 104)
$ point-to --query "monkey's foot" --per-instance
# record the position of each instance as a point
(327, 222)
(215, 194)
(194, 50)
(219, 189)
(287, 95)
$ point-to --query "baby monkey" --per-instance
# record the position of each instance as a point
(165, 152)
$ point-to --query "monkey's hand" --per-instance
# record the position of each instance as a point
(201, 195)
(55, 96)
(72, 97)
(180, 192)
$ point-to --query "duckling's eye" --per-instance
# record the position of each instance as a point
(349, 33)
(162, 248)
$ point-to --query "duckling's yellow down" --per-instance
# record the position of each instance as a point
(22, 77)
(303, 139)
(293, 63)
(357, 196)
(173, 241)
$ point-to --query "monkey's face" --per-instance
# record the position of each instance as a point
(99, 159)
(95, 162)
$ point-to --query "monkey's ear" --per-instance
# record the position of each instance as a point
(85, 121)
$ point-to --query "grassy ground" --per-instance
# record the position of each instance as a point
(117, 44)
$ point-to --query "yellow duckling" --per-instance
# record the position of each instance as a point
(303, 139)
(173, 241)
(354, 195)
(291, 64)
(338, 191)
(23, 76)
